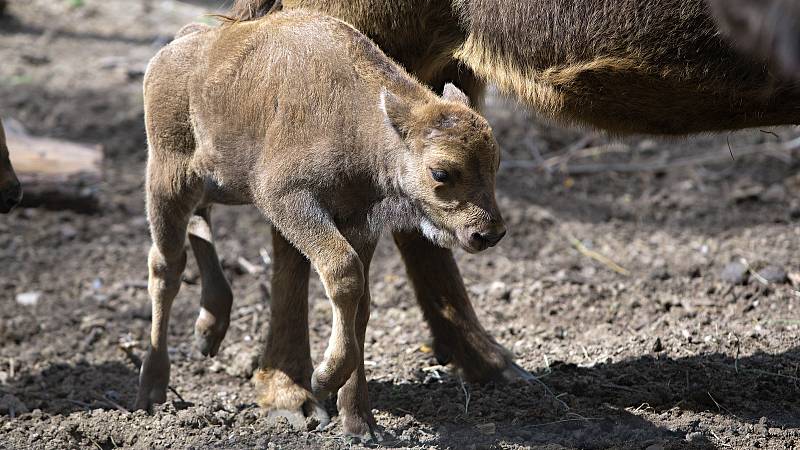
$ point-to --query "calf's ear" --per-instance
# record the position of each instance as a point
(453, 94)
(397, 111)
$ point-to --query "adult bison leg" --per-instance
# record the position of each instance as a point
(457, 333)
(284, 375)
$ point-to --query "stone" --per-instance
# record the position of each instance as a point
(735, 273)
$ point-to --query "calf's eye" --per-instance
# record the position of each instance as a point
(439, 176)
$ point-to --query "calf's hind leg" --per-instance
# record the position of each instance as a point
(168, 214)
(215, 296)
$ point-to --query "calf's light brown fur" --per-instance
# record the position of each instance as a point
(304, 117)
(10, 189)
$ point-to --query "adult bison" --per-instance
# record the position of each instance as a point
(624, 66)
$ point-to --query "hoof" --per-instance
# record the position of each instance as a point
(363, 429)
(311, 416)
(281, 396)
(373, 436)
(153, 380)
(147, 397)
(513, 373)
(209, 333)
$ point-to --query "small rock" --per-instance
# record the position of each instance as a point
(655, 447)
(499, 291)
(660, 273)
(216, 367)
(735, 273)
(747, 193)
(774, 274)
(694, 436)
(68, 232)
(12, 406)
(28, 298)
(774, 194)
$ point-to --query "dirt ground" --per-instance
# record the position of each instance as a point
(663, 352)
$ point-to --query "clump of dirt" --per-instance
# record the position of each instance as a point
(613, 286)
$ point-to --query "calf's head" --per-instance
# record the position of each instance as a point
(10, 190)
(449, 167)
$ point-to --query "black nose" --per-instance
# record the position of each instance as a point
(490, 239)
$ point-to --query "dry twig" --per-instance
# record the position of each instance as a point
(597, 256)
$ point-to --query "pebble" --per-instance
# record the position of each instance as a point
(774, 194)
(499, 291)
(68, 232)
(774, 274)
(28, 298)
(694, 436)
(734, 273)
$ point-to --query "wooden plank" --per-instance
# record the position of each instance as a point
(55, 174)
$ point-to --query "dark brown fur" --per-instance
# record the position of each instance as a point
(626, 66)
(10, 189)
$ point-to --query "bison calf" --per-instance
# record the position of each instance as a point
(304, 117)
